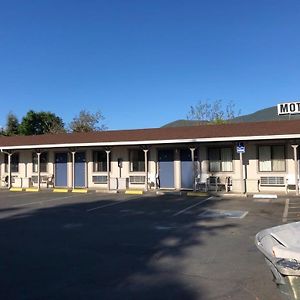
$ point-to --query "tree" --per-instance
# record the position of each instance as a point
(12, 125)
(214, 112)
(35, 123)
(87, 122)
(2, 131)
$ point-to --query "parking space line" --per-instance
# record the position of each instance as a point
(189, 207)
(285, 211)
(107, 205)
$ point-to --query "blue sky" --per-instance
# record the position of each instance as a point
(143, 63)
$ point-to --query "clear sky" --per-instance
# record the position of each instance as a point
(143, 63)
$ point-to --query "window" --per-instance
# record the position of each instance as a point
(271, 158)
(220, 159)
(137, 161)
(43, 162)
(14, 163)
(99, 161)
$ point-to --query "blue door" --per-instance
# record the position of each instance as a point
(79, 169)
(187, 172)
(61, 169)
(166, 168)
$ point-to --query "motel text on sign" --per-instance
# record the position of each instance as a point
(288, 108)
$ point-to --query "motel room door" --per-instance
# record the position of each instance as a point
(61, 169)
(187, 172)
(166, 168)
(80, 169)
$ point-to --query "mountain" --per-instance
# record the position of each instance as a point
(180, 123)
(267, 114)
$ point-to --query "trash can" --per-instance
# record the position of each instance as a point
(281, 247)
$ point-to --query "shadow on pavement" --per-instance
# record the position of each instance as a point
(63, 252)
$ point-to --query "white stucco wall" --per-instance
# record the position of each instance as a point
(250, 160)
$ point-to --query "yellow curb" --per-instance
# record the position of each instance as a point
(84, 191)
(32, 190)
(15, 189)
(196, 194)
(134, 192)
(60, 190)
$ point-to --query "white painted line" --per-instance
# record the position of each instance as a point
(221, 213)
(107, 205)
(286, 211)
(40, 202)
(262, 200)
(265, 196)
(244, 215)
(187, 208)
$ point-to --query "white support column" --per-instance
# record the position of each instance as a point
(146, 168)
(204, 164)
(39, 169)
(194, 171)
(73, 169)
(107, 166)
(242, 174)
(156, 173)
(86, 171)
(9, 169)
(177, 169)
(295, 147)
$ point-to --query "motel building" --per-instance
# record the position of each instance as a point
(243, 158)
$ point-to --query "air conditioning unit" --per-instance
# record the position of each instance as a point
(99, 179)
(137, 179)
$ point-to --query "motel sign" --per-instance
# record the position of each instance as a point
(290, 108)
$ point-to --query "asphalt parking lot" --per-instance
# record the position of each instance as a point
(116, 246)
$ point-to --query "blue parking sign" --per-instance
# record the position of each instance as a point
(240, 148)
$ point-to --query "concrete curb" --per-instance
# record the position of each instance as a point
(197, 194)
(83, 191)
(15, 189)
(134, 192)
(60, 190)
(32, 190)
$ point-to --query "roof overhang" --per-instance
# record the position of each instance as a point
(152, 142)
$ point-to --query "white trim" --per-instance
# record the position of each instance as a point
(155, 142)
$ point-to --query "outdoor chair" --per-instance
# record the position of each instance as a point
(50, 181)
(151, 180)
(45, 180)
(200, 186)
(214, 184)
(4, 180)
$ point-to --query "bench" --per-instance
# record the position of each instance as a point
(44, 180)
(213, 183)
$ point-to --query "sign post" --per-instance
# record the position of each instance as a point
(240, 148)
(296, 168)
